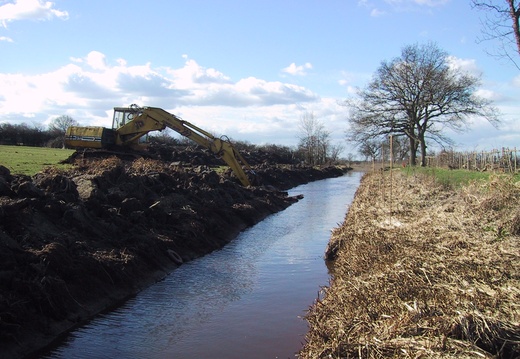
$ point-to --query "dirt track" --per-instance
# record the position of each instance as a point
(75, 243)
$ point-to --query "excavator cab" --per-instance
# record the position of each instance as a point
(122, 123)
(122, 116)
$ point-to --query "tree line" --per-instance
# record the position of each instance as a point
(314, 147)
(36, 135)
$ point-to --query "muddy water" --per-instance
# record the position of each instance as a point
(244, 301)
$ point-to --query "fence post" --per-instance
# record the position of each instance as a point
(515, 159)
(391, 172)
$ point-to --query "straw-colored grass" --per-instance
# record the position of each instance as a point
(422, 271)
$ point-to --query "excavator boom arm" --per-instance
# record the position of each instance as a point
(146, 119)
(130, 124)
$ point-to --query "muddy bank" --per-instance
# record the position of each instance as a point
(75, 243)
(422, 271)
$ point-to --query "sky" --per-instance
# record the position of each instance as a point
(248, 69)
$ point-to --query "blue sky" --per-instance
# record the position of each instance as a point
(247, 69)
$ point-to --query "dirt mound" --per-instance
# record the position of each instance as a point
(191, 155)
(422, 271)
(74, 243)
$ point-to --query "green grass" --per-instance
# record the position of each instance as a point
(31, 160)
(449, 178)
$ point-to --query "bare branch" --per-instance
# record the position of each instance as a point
(501, 23)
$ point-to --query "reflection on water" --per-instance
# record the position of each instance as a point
(244, 301)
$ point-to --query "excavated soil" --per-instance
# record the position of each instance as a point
(78, 242)
(422, 270)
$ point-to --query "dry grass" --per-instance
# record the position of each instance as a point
(423, 272)
(98, 166)
(144, 166)
(139, 166)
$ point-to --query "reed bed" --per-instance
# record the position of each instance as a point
(419, 270)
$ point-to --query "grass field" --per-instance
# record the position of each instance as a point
(452, 178)
(31, 160)
(448, 177)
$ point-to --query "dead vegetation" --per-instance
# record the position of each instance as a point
(422, 271)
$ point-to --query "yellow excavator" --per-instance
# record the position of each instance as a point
(130, 124)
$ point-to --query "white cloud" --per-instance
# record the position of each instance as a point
(516, 81)
(489, 95)
(96, 60)
(376, 12)
(464, 65)
(293, 69)
(352, 80)
(431, 2)
(250, 108)
(192, 73)
(88, 88)
(30, 10)
(398, 5)
(352, 91)
(6, 39)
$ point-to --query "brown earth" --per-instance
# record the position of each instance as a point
(422, 270)
(78, 242)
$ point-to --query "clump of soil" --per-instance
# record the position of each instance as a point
(420, 270)
(74, 243)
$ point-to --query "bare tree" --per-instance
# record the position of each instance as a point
(370, 149)
(417, 95)
(61, 123)
(58, 127)
(334, 152)
(350, 158)
(314, 140)
(501, 22)
(401, 148)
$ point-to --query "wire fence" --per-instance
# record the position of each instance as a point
(505, 160)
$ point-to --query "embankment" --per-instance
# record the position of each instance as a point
(422, 271)
(75, 243)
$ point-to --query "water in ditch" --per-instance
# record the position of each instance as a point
(244, 301)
